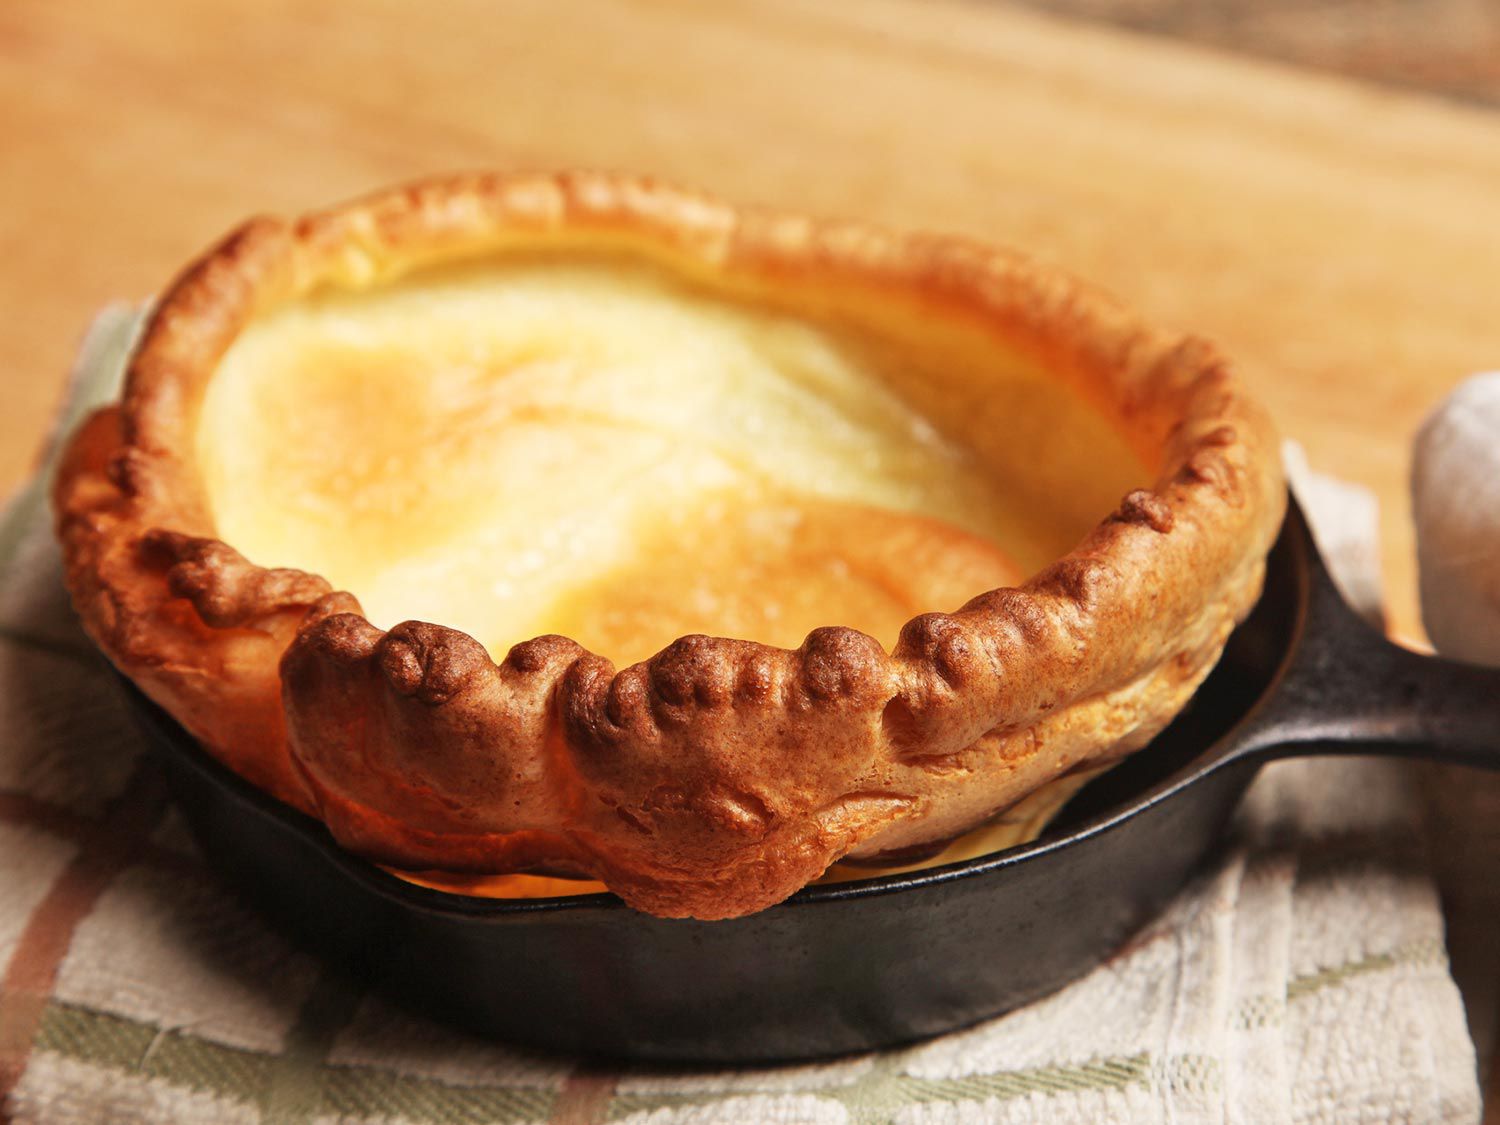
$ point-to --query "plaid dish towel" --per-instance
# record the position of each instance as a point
(1302, 978)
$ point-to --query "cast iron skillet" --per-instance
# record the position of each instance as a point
(853, 966)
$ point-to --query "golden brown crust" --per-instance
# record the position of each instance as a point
(720, 776)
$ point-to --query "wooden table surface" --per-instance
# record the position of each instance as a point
(1447, 46)
(1343, 243)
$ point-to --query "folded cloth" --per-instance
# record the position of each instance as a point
(1302, 977)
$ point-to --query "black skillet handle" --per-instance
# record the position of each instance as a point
(1349, 690)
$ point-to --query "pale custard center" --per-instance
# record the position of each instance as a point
(596, 451)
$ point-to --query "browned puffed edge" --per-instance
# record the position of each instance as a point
(1008, 656)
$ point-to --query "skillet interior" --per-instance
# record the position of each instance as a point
(834, 969)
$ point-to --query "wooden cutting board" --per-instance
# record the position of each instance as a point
(1342, 243)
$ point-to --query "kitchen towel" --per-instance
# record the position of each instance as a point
(1301, 977)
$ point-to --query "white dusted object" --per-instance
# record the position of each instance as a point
(1456, 504)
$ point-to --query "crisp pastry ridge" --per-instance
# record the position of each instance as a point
(720, 776)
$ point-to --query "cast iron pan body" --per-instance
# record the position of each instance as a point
(856, 966)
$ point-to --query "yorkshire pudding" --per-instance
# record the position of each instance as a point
(600, 406)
